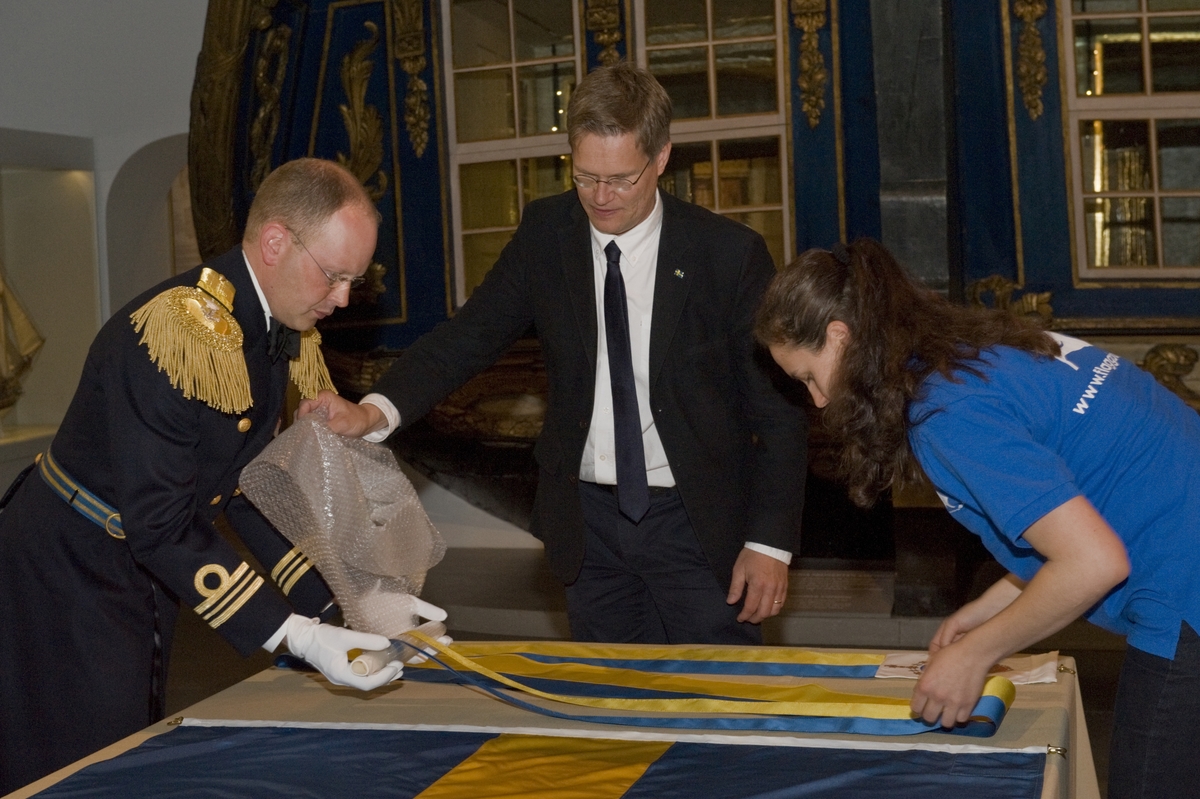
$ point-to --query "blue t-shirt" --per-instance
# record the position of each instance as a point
(1038, 431)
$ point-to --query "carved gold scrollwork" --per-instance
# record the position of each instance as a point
(809, 16)
(604, 22)
(408, 47)
(364, 126)
(268, 86)
(1031, 54)
(215, 92)
(1170, 363)
(1001, 289)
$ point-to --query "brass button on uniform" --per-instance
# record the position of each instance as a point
(243, 425)
(215, 500)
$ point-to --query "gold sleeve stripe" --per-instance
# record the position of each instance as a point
(285, 563)
(214, 595)
(290, 569)
(300, 572)
(233, 599)
(237, 605)
(229, 596)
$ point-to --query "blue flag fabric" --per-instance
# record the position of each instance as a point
(293, 763)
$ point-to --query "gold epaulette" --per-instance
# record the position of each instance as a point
(192, 336)
(308, 371)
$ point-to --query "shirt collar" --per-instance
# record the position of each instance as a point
(634, 238)
(262, 298)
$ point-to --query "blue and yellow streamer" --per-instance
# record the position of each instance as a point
(608, 679)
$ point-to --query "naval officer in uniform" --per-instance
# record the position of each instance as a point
(112, 530)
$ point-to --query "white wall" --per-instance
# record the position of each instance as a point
(118, 72)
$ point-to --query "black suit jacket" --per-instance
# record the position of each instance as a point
(736, 446)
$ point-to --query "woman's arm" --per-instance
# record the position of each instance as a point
(1084, 560)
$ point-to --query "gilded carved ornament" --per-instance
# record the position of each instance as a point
(809, 16)
(268, 87)
(408, 47)
(364, 125)
(215, 93)
(1031, 55)
(1001, 289)
(604, 23)
(1170, 364)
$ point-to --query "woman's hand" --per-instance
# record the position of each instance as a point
(951, 684)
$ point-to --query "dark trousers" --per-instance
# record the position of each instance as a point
(1156, 737)
(650, 582)
(79, 666)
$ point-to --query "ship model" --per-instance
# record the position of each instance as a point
(19, 344)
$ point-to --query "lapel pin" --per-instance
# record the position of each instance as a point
(678, 273)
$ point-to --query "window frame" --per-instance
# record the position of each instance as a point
(1148, 106)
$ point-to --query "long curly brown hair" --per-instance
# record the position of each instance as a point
(900, 334)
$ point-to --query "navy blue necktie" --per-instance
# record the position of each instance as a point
(633, 496)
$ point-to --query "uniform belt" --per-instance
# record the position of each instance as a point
(655, 491)
(88, 505)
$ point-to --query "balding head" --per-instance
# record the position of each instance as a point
(303, 195)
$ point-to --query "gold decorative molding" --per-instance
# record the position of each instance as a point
(809, 16)
(1001, 289)
(215, 94)
(408, 47)
(364, 125)
(268, 87)
(1031, 55)
(604, 23)
(1170, 364)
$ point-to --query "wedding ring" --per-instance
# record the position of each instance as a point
(778, 601)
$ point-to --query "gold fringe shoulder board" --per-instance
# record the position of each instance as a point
(192, 335)
(308, 371)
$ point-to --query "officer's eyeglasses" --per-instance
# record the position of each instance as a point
(332, 278)
(619, 185)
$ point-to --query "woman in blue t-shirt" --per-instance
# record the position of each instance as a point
(1078, 471)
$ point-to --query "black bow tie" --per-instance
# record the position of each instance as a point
(282, 340)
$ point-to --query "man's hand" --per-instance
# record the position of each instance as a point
(344, 417)
(324, 646)
(764, 580)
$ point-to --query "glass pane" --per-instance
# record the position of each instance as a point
(746, 78)
(1175, 54)
(733, 18)
(1114, 154)
(544, 91)
(1120, 231)
(479, 30)
(749, 172)
(669, 21)
(484, 105)
(1108, 56)
(1173, 5)
(545, 177)
(1178, 154)
(542, 28)
(480, 252)
(489, 194)
(1103, 6)
(1181, 231)
(684, 74)
(769, 225)
(689, 174)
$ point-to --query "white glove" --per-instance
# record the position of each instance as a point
(325, 646)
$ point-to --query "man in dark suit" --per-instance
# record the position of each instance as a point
(113, 528)
(671, 470)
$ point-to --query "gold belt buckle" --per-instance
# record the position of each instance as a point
(117, 534)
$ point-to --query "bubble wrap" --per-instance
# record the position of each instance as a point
(348, 507)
